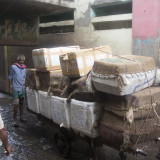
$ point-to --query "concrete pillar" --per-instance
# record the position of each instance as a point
(83, 27)
(146, 28)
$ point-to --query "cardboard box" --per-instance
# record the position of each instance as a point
(79, 63)
(48, 58)
(32, 79)
(39, 80)
(123, 75)
(47, 78)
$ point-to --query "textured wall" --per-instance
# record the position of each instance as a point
(146, 19)
(146, 28)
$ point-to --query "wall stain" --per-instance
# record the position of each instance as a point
(84, 21)
(147, 47)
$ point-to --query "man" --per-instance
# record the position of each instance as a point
(17, 85)
(4, 137)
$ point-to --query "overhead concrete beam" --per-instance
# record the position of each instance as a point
(63, 3)
(121, 17)
(34, 7)
(61, 23)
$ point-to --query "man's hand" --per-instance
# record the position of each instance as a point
(10, 90)
(9, 149)
(4, 138)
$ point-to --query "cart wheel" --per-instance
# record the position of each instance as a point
(62, 144)
(123, 155)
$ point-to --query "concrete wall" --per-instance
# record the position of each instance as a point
(146, 28)
(13, 52)
(84, 34)
(8, 57)
(3, 62)
(64, 3)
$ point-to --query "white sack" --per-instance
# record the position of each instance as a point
(123, 84)
(60, 111)
(32, 100)
(85, 116)
(45, 104)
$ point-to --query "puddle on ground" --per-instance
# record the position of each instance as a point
(27, 138)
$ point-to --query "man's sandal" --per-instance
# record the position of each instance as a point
(15, 124)
(23, 120)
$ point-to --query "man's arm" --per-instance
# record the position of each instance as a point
(25, 83)
(10, 85)
(10, 77)
(4, 138)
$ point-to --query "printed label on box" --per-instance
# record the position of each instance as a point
(80, 62)
(110, 55)
(55, 60)
(89, 61)
(46, 60)
(41, 61)
(101, 56)
(81, 74)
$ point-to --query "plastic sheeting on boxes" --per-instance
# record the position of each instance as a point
(60, 111)
(44, 104)
(32, 100)
(123, 84)
(85, 116)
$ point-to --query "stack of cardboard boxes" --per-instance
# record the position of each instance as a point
(51, 66)
(125, 83)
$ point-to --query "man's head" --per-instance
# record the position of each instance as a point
(21, 59)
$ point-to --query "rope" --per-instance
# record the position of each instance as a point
(152, 106)
(116, 55)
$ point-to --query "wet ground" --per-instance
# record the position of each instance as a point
(34, 140)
